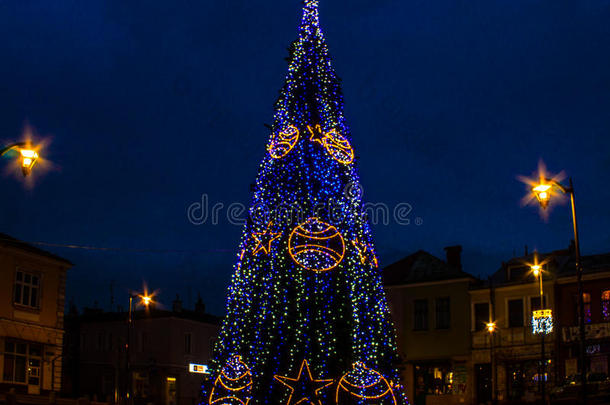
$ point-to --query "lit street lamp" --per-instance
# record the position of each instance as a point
(146, 300)
(544, 190)
(491, 328)
(27, 155)
(542, 324)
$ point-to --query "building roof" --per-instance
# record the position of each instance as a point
(420, 267)
(95, 315)
(561, 265)
(9, 241)
(590, 264)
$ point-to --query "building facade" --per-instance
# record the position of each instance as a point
(429, 301)
(596, 293)
(32, 296)
(168, 356)
(507, 361)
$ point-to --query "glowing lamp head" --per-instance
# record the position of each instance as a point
(28, 159)
(491, 327)
(543, 194)
(146, 300)
(536, 270)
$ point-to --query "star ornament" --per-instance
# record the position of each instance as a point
(316, 134)
(264, 239)
(304, 388)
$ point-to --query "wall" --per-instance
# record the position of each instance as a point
(42, 325)
(416, 347)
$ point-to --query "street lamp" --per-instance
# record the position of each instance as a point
(146, 300)
(491, 329)
(542, 324)
(543, 190)
(27, 155)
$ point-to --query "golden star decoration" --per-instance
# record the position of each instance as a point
(264, 239)
(316, 134)
(304, 388)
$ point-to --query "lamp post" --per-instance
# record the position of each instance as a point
(538, 320)
(27, 155)
(491, 328)
(543, 192)
(145, 300)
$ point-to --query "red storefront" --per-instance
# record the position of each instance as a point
(596, 292)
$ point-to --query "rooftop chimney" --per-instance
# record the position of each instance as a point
(199, 305)
(177, 304)
(454, 256)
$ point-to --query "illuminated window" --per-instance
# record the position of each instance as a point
(606, 305)
(420, 314)
(22, 362)
(27, 289)
(586, 297)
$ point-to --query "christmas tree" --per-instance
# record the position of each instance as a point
(307, 320)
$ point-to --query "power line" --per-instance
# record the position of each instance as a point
(118, 249)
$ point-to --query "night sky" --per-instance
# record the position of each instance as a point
(150, 104)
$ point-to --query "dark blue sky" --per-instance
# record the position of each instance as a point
(150, 104)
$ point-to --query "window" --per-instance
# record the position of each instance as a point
(187, 343)
(22, 362)
(83, 341)
(420, 314)
(481, 315)
(101, 341)
(535, 303)
(434, 380)
(518, 273)
(27, 289)
(606, 305)
(443, 313)
(515, 313)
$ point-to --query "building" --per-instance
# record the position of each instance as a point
(596, 293)
(515, 355)
(430, 305)
(32, 295)
(169, 353)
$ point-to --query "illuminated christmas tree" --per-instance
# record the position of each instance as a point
(307, 320)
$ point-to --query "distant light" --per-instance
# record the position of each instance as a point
(199, 368)
(171, 379)
(491, 327)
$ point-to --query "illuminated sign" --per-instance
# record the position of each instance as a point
(542, 321)
(198, 368)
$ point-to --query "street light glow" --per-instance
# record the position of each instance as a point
(28, 159)
(491, 327)
(536, 269)
(146, 300)
(543, 194)
(543, 187)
